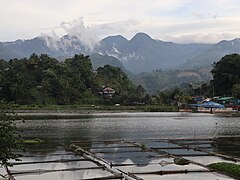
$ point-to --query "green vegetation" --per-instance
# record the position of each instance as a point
(89, 108)
(181, 161)
(42, 80)
(228, 168)
(236, 91)
(226, 76)
(160, 80)
(143, 147)
(10, 138)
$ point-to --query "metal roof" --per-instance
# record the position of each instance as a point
(225, 98)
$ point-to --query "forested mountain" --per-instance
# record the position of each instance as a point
(160, 80)
(98, 60)
(213, 54)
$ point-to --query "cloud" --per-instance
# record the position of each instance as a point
(110, 17)
(181, 32)
(126, 28)
(84, 34)
(200, 38)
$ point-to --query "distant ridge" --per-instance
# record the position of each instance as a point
(139, 54)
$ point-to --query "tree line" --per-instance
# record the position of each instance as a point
(45, 80)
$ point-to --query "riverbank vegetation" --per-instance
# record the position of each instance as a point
(99, 108)
(10, 139)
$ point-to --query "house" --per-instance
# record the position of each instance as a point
(107, 92)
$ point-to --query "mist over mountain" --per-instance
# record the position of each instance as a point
(144, 54)
(139, 54)
(213, 54)
(6, 53)
(24, 48)
(99, 60)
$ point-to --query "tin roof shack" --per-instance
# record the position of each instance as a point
(230, 102)
(108, 92)
(199, 99)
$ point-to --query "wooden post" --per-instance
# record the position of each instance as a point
(9, 173)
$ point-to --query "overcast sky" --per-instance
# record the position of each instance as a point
(171, 20)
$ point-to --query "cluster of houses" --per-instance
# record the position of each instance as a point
(216, 104)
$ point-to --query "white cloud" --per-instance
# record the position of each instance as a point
(83, 33)
(28, 18)
(200, 38)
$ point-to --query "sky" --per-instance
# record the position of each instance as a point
(182, 21)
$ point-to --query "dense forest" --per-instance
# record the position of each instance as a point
(160, 80)
(42, 80)
(45, 80)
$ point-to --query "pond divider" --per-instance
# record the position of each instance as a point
(50, 161)
(43, 155)
(42, 171)
(194, 147)
(9, 173)
(172, 172)
(101, 162)
(109, 156)
(110, 147)
(119, 176)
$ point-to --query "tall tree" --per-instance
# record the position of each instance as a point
(10, 139)
(226, 73)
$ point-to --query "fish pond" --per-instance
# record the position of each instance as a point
(127, 146)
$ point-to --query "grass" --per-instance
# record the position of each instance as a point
(143, 108)
(227, 168)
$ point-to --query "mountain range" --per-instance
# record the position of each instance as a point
(139, 54)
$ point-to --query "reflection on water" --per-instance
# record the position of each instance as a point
(131, 126)
(57, 133)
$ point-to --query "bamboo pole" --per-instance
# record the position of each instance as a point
(119, 176)
(148, 156)
(42, 171)
(118, 152)
(173, 172)
(9, 174)
(101, 162)
(138, 164)
(64, 154)
(51, 161)
(96, 141)
(110, 147)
